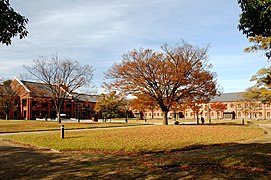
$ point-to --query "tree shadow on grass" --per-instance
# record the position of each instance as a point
(18, 162)
(221, 161)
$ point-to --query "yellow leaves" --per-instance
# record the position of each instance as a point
(260, 43)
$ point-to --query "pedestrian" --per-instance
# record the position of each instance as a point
(202, 120)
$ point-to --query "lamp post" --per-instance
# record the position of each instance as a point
(62, 131)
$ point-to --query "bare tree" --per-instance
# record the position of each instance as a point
(62, 77)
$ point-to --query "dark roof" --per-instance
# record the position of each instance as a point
(37, 89)
(43, 90)
(228, 97)
(85, 97)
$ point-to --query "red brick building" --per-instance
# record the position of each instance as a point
(35, 102)
(236, 108)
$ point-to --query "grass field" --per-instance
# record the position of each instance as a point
(7, 126)
(140, 139)
(166, 152)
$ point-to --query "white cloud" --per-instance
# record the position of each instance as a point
(98, 32)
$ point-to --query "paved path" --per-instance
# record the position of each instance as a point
(266, 138)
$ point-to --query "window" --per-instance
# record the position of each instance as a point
(268, 114)
(157, 114)
(232, 105)
(268, 105)
(149, 114)
(239, 114)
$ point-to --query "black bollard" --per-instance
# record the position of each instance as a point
(62, 131)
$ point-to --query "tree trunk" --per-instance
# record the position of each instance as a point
(165, 118)
(7, 116)
(58, 117)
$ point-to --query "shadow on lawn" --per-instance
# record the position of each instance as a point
(224, 161)
(215, 124)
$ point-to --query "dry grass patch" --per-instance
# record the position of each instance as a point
(140, 139)
(7, 126)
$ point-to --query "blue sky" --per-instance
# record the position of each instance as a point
(99, 32)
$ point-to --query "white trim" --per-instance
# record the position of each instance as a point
(20, 82)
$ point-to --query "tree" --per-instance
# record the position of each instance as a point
(262, 78)
(255, 22)
(250, 107)
(111, 105)
(167, 76)
(143, 103)
(260, 92)
(11, 23)
(8, 99)
(218, 106)
(62, 78)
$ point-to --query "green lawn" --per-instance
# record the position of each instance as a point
(140, 139)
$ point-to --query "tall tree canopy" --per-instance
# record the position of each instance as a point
(255, 22)
(168, 76)
(62, 77)
(11, 23)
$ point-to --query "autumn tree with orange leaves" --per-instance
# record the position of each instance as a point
(218, 107)
(168, 76)
(142, 103)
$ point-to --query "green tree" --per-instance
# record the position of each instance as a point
(11, 23)
(255, 22)
(111, 105)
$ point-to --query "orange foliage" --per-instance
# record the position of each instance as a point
(142, 103)
(168, 77)
(218, 106)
